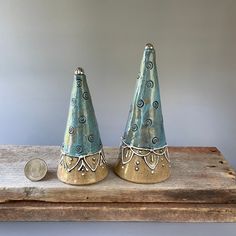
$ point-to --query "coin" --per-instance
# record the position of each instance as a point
(35, 169)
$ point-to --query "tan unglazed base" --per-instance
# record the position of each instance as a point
(82, 172)
(136, 169)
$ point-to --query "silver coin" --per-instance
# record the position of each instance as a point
(35, 169)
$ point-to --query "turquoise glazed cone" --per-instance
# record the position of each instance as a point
(144, 136)
(82, 134)
(82, 159)
(144, 128)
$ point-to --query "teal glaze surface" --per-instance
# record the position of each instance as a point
(82, 134)
(144, 128)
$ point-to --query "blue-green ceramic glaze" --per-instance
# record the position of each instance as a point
(81, 135)
(144, 128)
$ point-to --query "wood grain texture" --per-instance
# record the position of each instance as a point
(199, 175)
(161, 212)
(202, 188)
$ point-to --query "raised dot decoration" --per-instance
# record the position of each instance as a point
(73, 101)
(155, 104)
(82, 119)
(79, 149)
(134, 127)
(155, 140)
(148, 122)
(85, 95)
(91, 138)
(149, 65)
(140, 103)
(79, 82)
(71, 130)
(149, 84)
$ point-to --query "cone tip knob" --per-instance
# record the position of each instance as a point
(79, 71)
(149, 46)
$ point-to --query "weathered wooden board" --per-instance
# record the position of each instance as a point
(202, 188)
(161, 212)
(199, 175)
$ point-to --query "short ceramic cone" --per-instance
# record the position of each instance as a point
(82, 157)
(143, 156)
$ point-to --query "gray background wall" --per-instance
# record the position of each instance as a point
(42, 41)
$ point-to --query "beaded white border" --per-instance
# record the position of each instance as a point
(82, 163)
(157, 152)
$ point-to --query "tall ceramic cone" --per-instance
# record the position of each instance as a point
(143, 154)
(82, 158)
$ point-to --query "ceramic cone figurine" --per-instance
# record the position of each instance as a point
(82, 158)
(143, 154)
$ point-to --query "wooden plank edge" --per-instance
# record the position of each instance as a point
(158, 212)
(212, 196)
